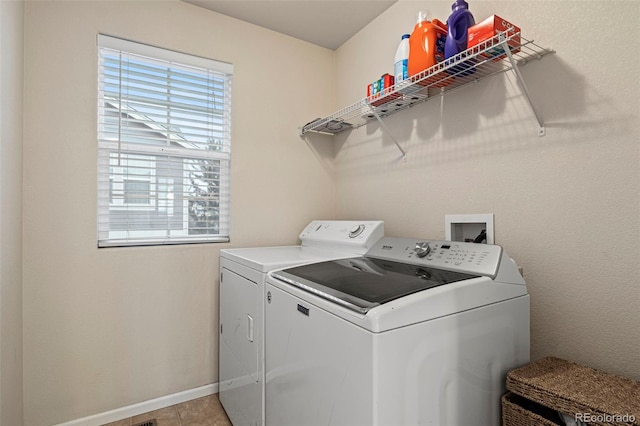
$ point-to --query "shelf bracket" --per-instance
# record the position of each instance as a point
(523, 85)
(384, 127)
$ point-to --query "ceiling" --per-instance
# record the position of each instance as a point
(327, 23)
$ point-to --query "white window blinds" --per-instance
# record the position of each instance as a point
(164, 124)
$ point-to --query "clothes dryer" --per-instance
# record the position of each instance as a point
(242, 279)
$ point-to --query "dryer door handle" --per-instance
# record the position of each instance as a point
(249, 328)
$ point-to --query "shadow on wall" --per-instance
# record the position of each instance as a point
(322, 148)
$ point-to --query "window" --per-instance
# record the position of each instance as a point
(164, 121)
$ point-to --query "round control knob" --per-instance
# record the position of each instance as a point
(355, 231)
(422, 249)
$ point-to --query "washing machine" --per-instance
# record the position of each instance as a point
(415, 332)
(242, 279)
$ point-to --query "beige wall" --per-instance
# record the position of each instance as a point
(567, 205)
(108, 328)
(11, 77)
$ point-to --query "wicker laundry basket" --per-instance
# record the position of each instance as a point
(541, 389)
(519, 411)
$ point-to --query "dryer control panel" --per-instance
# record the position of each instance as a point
(472, 258)
(356, 236)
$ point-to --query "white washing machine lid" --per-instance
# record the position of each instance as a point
(362, 283)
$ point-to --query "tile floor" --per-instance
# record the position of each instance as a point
(205, 411)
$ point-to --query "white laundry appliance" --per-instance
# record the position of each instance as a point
(415, 332)
(242, 279)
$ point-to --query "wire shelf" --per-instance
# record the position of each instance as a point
(504, 52)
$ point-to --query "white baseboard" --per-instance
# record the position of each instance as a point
(144, 407)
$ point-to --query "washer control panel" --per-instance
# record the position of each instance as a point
(473, 258)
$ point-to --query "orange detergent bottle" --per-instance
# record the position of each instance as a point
(426, 46)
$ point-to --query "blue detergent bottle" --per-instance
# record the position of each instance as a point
(458, 25)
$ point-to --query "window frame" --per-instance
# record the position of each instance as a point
(214, 154)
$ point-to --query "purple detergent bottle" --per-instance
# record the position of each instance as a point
(458, 23)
